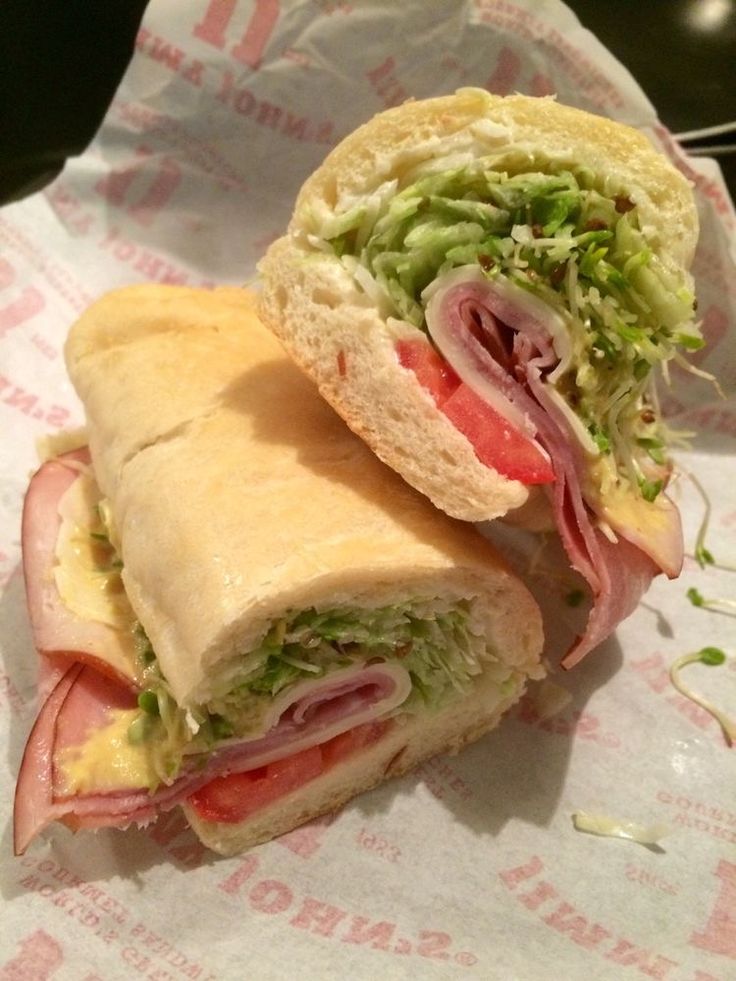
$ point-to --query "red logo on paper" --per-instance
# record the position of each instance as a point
(273, 897)
(506, 74)
(719, 935)
(143, 188)
(22, 305)
(39, 957)
(249, 49)
(387, 86)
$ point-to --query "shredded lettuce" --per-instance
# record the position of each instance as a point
(435, 641)
(648, 835)
(561, 237)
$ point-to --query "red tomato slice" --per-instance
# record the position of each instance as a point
(431, 369)
(338, 748)
(233, 798)
(496, 442)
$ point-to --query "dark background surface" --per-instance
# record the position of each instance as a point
(61, 61)
(60, 64)
(681, 52)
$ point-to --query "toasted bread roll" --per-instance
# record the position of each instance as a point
(304, 623)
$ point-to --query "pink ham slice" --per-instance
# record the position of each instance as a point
(81, 689)
(34, 792)
(58, 634)
(506, 348)
(89, 705)
(82, 703)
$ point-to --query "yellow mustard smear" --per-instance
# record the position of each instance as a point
(107, 760)
(87, 572)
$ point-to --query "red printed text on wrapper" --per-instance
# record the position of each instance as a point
(18, 304)
(533, 890)
(312, 914)
(94, 911)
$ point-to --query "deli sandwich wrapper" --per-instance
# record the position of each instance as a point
(472, 866)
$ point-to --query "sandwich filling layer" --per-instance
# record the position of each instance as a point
(559, 244)
(534, 300)
(428, 649)
(108, 752)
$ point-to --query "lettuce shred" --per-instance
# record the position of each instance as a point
(434, 643)
(563, 237)
(437, 643)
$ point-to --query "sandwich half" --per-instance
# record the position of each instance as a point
(484, 288)
(239, 609)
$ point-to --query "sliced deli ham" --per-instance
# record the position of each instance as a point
(509, 348)
(34, 792)
(58, 633)
(82, 706)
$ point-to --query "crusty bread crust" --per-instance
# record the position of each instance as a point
(410, 741)
(336, 333)
(394, 140)
(238, 495)
(343, 343)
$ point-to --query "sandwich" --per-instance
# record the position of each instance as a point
(238, 608)
(485, 288)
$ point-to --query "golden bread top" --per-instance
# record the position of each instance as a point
(238, 494)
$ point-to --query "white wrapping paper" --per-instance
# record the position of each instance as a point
(470, 867)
